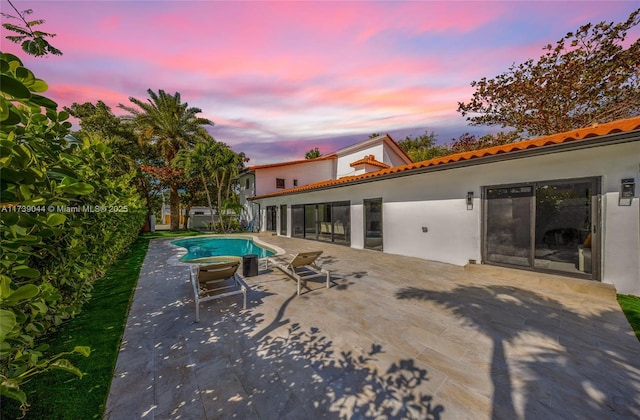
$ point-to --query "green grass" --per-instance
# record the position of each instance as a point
(100, 325)
(631, 307)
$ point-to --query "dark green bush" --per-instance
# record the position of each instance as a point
(64, 218)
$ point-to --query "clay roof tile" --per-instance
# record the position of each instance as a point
(626, 125)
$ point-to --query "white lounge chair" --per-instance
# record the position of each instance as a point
(215, 281)
(301, 267)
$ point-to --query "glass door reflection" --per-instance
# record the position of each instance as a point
(373, 224)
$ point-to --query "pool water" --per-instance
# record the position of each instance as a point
(198, 248)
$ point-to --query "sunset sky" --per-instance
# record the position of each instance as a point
(280, 78)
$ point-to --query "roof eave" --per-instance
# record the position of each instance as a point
(578, 144)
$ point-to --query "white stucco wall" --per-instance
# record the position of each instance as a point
(249, 213)
(392, 158)
(344, 161)
(437, 201)
(305, 173)
(357, 224)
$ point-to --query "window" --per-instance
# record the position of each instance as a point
(279, 182)
(246, 184)
(295, 182)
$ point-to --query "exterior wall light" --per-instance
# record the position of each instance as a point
(470, 200)
(627, 191)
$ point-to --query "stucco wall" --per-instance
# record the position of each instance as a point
(305, 173)
(344, 162)
(392, 158)
(436, 201)
(249, 210)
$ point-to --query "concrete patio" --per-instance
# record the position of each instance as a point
(394, 337)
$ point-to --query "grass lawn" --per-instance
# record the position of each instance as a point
(631, 307)
(100, 325)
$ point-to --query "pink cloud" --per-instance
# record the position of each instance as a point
(110, 23)
(65, 95)
(419, 17)
(276, 71)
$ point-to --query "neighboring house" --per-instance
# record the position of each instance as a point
(367, 156)
(199, 216)
(565, 203)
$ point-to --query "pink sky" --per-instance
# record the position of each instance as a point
(280, 78)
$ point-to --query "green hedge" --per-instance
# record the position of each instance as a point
(64, 218)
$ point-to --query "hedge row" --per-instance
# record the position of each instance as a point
(64, 218)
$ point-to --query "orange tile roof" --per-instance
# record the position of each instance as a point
(291, 162)
(369, 160)
(619, 126)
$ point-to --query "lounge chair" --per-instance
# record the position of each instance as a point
(215, 281)
(301, 267)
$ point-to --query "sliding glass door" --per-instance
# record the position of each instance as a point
(283, 220)
(547, 226)
(328, 222)
(297, 221)
(564, 220)
(271, 218)
(340, 217)
(373, 224)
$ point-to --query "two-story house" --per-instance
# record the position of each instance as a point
(566, 203)
(370, 155)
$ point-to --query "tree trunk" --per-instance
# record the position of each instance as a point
(206, 190)
(187, 210)
(220, 187)
(174, 202)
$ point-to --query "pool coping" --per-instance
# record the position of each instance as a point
(181, 251)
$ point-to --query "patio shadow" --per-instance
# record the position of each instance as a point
(283, 370)
(547, 357)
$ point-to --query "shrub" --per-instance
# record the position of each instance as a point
(63, 219)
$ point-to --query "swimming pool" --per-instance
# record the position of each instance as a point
(220, 248)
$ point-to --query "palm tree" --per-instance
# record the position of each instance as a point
(213, 163)
(199, 162)
(227, 166)
(169, 126)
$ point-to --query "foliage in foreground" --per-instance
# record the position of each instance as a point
(31, 40)
(100, 323)
(64, 218)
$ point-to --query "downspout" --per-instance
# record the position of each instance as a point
(257, 221)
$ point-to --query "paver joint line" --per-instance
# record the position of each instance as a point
(393, 337)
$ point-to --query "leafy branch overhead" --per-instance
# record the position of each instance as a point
(31, 40)
(588, 77)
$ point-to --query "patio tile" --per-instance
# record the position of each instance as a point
(393, 337)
